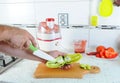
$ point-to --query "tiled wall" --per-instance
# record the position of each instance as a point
(34, 11)
(79, 11)
(94, 37)
(20, 13)
(78, 14)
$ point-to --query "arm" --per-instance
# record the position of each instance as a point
(16, 37)
(19, 53)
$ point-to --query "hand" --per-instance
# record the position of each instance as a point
(58, 53)
(20, 38)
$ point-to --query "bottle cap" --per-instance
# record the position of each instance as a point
(50, 19)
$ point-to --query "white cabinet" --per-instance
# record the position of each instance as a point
(56, 0)
(15, 1)
(71, 35)
(108, 38)
(94, 37)
(17, 13)
(78, 12)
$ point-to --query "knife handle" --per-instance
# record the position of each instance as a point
(33, 48)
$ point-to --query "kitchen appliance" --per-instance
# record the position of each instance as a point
(7, 61)
(48, 35)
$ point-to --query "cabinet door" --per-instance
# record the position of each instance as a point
(17, 13)
(15, 1)
(78, 12)
(69, 36)
(108, 38)
(56, 0)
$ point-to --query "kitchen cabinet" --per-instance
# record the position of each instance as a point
(15, 1)
(94, 37)
(17, 13)
(76, 13)
(106, 37)
(69, 36)
(57, 0)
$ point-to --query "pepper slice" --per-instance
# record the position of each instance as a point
(62, 60)
(57, 63)
(71, 58)
(85, 66)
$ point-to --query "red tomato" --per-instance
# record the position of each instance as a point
(110, 55)
(114, 54)
(102, 54)
(98, 55)
(100, 48)
(110, 49)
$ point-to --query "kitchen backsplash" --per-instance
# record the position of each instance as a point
(34, 11)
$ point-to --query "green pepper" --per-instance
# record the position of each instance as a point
(62, 60)
(85, 66)
(71, 58)
(88, 67)
(57, 63)
(51, 64)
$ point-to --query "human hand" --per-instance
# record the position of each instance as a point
(20, 38)
(58, 53)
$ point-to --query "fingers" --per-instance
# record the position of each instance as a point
(66, 67)
(28, 39)
(33, 41)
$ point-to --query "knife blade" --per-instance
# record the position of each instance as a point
(40, 53)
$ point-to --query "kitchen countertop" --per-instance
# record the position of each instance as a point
(23, 71)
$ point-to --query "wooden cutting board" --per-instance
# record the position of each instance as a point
(75, 72)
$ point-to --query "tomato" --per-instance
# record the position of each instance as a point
(114, 54)
(110, 55)
(102, 54)
(98, 55)
(100, 48)
(110, 49)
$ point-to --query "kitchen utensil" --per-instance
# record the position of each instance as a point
(40, 54)
(105, 8)
(75, 72)
(94, 20)
(93, 13)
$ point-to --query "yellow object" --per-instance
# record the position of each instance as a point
(106, 8)
(94, 20)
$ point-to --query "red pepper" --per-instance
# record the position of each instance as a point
(92, 53)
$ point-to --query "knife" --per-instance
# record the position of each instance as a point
(40, 54)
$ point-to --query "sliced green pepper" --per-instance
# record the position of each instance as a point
(85, 66)
(57, 63)
(62, 60)
(71, 58)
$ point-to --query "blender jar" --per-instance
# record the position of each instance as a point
(48, 35)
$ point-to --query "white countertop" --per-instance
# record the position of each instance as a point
(23, 71)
